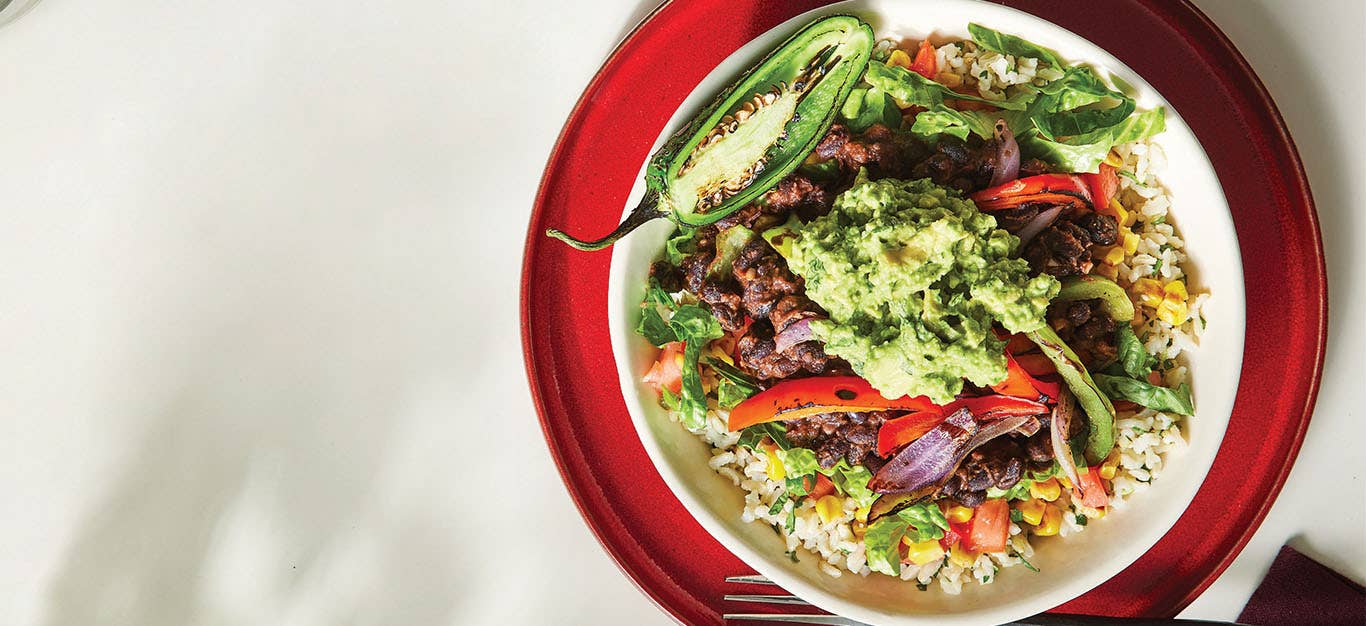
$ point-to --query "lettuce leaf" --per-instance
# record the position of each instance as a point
(1084, 153)
(997, 41)
(1146, 394)
(1134, 360)
(801, 468)
(912, 88)
(951, 122)
(920, 522)
(866, 107)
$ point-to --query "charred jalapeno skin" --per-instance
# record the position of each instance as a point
(755, 133)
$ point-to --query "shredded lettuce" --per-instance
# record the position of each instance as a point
(653, 327)
(852, 481)
(694, 326)
(681, 244)
(730, 393)
(920, 522)
(750, 437)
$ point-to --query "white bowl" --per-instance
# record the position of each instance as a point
(1070, 566)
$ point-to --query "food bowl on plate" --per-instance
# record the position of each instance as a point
(1068, 566)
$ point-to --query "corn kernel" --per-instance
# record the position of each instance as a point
(960, 557)
(1110, 466)
(958, 514)
(1114, 160)
(1048, 490)
(1065, 482)
(1031, 510)
(949, 79)
(1176, 290)
(1051, 522)
(830, 508)
(775, 466)
(1173, 312)
(861, 515)
(1111, 255)
(1150, 292)
(924, 552)
(1129, 239)
(1108, 271)
(899, 58)
(1091, 513)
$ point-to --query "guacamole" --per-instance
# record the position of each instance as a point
(913, 277)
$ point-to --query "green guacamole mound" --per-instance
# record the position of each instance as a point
(914, 276)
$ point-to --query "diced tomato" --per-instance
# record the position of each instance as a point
(1103, 185)
(667, 372)
(989, 527)
(955, 534)
(1090, 489)
(925, 63)
(900, 431)
(823, 487)
(1037, 364)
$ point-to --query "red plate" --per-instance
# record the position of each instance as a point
(594, 164)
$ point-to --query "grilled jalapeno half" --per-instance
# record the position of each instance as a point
(755, 133)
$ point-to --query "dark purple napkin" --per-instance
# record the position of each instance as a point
(1298, 591)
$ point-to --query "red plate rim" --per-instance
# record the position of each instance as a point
(1289, 194)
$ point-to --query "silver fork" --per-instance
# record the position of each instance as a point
(1042, 619)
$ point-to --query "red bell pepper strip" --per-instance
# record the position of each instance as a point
(989, 527)
(804, 397)
(1053, 189)
(987, 408)
(898, 432)
(1020, 384)
(1090, 488)
(1037, 364)
(925, 63)
(1102, 185)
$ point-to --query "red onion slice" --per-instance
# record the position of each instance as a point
(1043, 220)
(1006, 167)
(932, 458)
(795, 334)
(1062, 418)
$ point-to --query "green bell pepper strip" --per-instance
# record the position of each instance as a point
(758, 131)
(1113, 300)
(1100, 413)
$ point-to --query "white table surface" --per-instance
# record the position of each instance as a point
(258, 285)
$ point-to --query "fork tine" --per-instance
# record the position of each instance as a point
(770, 599)
(753, 580)
(794, 618)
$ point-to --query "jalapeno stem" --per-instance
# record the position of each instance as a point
(647, 210)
